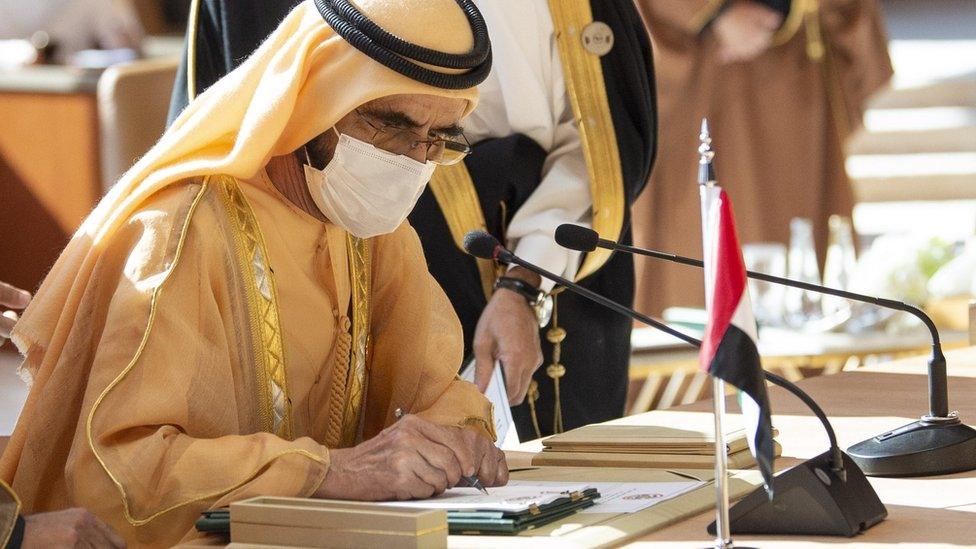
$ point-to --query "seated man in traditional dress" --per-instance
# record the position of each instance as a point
(247, 313)
(530, 172)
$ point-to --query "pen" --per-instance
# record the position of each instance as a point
(473, 482)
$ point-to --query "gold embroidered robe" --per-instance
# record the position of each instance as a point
(778, 123)
(148, 411)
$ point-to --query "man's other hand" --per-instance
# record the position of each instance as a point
(745, 30)
(12, 298)
(412, 459)
(508, 331)
(68, 529)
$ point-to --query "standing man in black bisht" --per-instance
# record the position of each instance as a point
(564, 133)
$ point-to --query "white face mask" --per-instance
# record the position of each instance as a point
(366, 190)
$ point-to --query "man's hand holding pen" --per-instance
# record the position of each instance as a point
(413, 459)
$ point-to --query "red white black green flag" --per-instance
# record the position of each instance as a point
(729, 349)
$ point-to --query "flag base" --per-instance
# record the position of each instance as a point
(729, 545)
(810, 499)
(930, 446)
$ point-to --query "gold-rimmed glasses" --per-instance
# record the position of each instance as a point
(440, 150)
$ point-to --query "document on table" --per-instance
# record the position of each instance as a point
(513, 498)
(498, 395)
(621, 497)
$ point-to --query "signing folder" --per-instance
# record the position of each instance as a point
(507, 510)
(658, 439)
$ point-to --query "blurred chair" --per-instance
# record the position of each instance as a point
(133, 101)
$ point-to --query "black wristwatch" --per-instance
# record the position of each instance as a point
(540, 301)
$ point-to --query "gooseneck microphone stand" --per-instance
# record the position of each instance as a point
(938, 443)
(824, 495)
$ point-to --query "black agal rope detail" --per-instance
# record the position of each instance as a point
(404, 57)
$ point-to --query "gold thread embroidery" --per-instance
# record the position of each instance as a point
(455, 193)
(350, 368)
(531, 397)
(556, 370)
(360, 275)
(261, 296)
(154, 301)
(340, 373)
(591, 107)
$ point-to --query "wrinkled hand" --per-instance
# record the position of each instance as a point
(745, 30)
(508, 331)
(412, 459)
(14, 298)
(68, 529)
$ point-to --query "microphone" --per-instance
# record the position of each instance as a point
(937, 444)
(485, 246)
(851, 505)
(482, 245)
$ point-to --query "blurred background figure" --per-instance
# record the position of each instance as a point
(783, 84)
(60, 29)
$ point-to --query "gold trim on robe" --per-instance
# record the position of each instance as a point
(457, 197)
(350, 372)
(262, 305)
(588, 95)
(228, 190)
(454, 189)
(360, 274)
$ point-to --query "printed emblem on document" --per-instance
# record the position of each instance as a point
(598, 38)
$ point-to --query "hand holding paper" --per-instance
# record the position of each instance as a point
(497, 394)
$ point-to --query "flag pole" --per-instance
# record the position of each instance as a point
(723, 540)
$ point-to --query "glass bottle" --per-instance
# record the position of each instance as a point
(802, 307)
(840, 264)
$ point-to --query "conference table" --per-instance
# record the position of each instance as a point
(930, 512)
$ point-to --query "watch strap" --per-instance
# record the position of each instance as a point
(531, 294)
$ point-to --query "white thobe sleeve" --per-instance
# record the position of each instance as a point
(563, 196)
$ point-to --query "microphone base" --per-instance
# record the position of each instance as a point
(930, 446)
(811, 500)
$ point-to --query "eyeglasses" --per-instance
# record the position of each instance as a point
(397, 140)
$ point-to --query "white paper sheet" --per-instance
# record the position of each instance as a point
(622, 497)
(514, 498)
(498, 395)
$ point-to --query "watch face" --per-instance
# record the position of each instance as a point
(543, 311)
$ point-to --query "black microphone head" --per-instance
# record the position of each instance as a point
(574, 237)
(481, 244)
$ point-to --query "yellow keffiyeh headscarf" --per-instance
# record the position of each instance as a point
(297, 85)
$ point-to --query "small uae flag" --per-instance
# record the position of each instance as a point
(729, 350)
